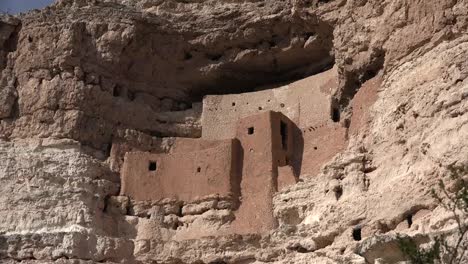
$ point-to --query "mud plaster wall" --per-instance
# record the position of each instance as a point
(260, 140)
(184, 145)
(284, 135)
(182, 176)
(306, 102)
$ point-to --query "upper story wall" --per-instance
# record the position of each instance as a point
(305, 102)
(182, 176)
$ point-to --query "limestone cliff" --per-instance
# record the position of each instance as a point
(82, 82)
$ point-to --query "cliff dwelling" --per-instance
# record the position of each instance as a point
(234, 132)
(244, 170)
(252, 145)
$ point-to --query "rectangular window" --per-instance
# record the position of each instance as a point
(284, 135)
(152, 166)
(250, 130)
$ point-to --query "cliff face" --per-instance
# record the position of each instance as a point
(82, 82)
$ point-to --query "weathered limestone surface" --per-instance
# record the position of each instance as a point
(83, 75)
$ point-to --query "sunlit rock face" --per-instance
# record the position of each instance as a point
(82, 83)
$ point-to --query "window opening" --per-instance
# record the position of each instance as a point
(152, 166)
(117, 91)
(284, 135)
(250, 130)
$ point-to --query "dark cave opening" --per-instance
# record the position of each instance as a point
(409, 220)
(238, 81)
(279, 63)
(335, 115)
(357, 233)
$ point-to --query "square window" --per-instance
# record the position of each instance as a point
(152, 166)
(250, 130)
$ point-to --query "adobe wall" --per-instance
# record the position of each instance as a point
(183, 145)
(183, 176)
(255, 213)
(306, 102)
(286, 162)
(263, 150)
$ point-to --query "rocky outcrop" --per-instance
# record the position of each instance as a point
(84, 81)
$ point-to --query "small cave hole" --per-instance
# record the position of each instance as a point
(336, 115)
(282, 105)
(260, 108)
(117, 91)
(217, 262)
(299, 249)
(338, 192)
(131, 95)
(233, 103)
(307, 35)
(30, 39)
(357, 234)
(174, 225)
(152, 166)
(315, 148)
(108, 149)
(370, 73)
(214, 57)
(106, 203)
(198, 169)
(409, 220)
(179, 211)
(250, 130)
(272, 43)
(188, 56)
